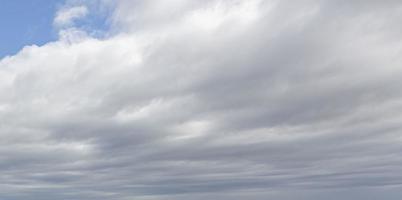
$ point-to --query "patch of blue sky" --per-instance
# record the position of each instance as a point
(30, 22)
(96, 23)
(26, 22)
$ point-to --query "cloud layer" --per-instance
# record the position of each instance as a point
(208, 100)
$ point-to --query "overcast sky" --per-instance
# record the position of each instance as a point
(205, 99)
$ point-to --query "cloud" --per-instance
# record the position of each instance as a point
(209, 100)
(67, 15)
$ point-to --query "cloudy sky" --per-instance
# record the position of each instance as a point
(200, 99)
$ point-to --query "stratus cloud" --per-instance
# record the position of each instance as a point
(210, 100)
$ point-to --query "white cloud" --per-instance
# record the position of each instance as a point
(67, 15)
(208, 100)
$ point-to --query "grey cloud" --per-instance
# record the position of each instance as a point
(210, 100)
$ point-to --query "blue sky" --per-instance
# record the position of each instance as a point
(31, 22)
(25, 23)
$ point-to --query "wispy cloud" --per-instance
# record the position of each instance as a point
(67, 15)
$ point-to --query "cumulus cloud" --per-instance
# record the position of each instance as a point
(236, 99)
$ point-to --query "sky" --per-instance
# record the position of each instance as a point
(32, 23)
(200, 99)
(26, 23)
